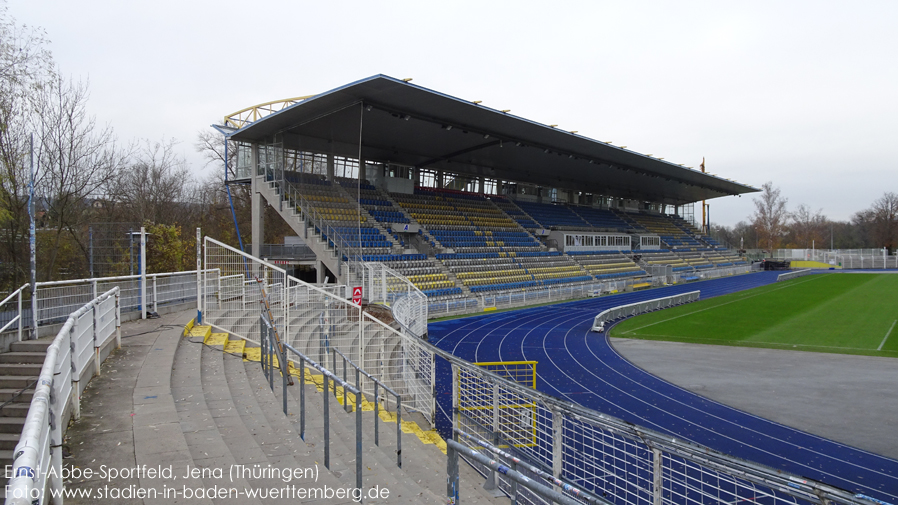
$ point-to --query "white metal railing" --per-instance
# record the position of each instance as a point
(313, 320)
(845, 258)
(76, 347)
(383, 285)
(53, 301)
(633, 309)
(599, 458)
(793, 275)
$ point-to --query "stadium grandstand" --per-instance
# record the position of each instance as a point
(464, 200)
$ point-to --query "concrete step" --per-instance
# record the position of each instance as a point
(17, 395)
(271, 430)
(377, 471)
(205, 446)
(15, 410)
(17, 381)
(19, 369)
(40, 345)
(12, 425)
(23, 357)
(8, 441)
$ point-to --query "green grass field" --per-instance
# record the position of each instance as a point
(837, 313)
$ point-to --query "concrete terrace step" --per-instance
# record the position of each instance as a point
(39, 345)
(23, 357)
(208, 451)
(21, 369)
(377, 470)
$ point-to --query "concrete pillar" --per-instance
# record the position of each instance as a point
(319, 272)
(480, 185)
(416, 176)
(258, 205)
(498, 186)
(440, 179)
(330, 167)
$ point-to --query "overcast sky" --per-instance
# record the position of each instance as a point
(803, 94)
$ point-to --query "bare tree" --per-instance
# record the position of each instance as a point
(806, 227)
(883, 221)
(770, 216)
(77, 159)
(156, 186)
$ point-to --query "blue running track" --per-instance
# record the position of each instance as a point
(582, 367)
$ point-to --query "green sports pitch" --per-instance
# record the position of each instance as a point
(836, 313)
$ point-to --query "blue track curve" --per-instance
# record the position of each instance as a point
(582, 367)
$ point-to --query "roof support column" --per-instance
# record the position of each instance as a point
(440, 179)
(257, 204)
(330, 167)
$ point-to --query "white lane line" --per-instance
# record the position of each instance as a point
(887, 335)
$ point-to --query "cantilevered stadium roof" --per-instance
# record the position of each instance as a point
(409, 125)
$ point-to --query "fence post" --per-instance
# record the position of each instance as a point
(155, 296)
(302, 399)
(93, 331)
(557, 443)
(76, 403)
(327, 435)
(452, 471)
(143, 273)
(118, 319)
(21, 317)
(358, 436)
(399, 431)
(199, 278)
(376, 413)
(657, 483)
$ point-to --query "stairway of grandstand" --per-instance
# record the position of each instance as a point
(467, 244)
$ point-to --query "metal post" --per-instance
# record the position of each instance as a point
(399, 431)
(452, 471)
(346, 406)
(327, 435)
(118, 319)
(657, 485)
(90, 233)
(302, 399)
(93, 331)
(199, 278)
(19, 332)
(285, 367)
(143, 273)
(358, 437)
(376, 415)
(557, 443)
(155, 296)
(271, 367)
(32, 243)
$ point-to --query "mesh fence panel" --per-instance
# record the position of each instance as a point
(608, 458)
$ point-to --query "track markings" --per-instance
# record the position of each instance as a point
(887, 335)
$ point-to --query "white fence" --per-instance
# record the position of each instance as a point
(383, 285)
(313, 320)
(76, 348)
(633, 309)
(845, 258)
(54, 301)
(602, 459)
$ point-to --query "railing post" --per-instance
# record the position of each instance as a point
(346, 406)
(93, 332)
(452, 471)
(358, 436)
(557, 443)
(118, 319)
(302, 399)
(657, 483)
(76, 403)
(327, 435)
(271, 367)
(399, 431)
(376, 414)
(155, 296)
(21, 322)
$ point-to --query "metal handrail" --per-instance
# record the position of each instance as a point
(377, 383)
(46, 410)
(453, 449)
(329, 376)
(515, 462)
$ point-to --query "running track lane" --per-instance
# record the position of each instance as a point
(581, 366)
